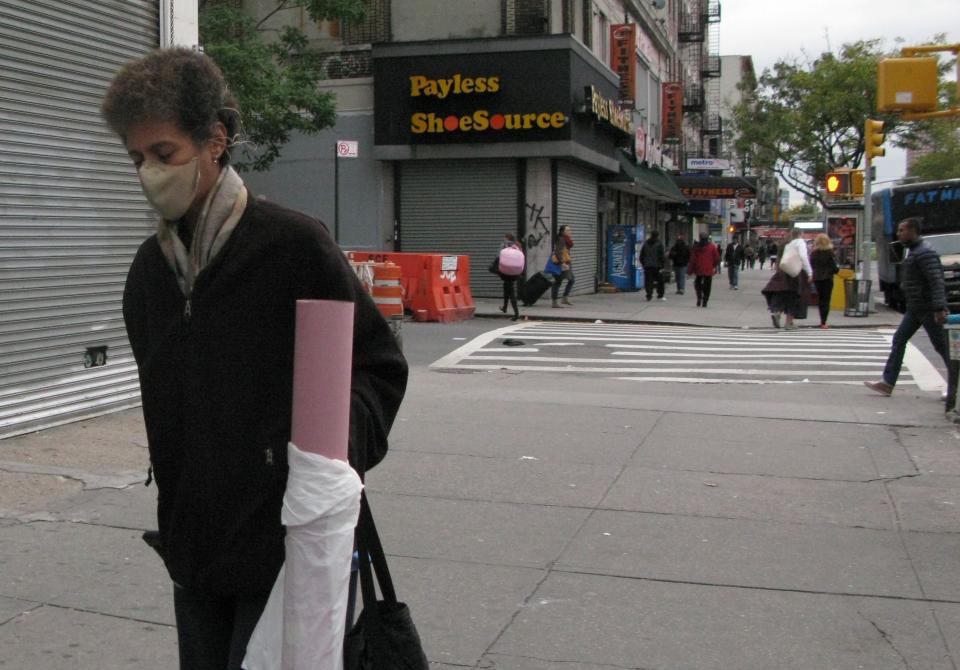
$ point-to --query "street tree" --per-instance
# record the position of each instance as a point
(804, 119)
(941, 153)
(274, 75)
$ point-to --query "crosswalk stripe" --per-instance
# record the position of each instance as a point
(518, 357)
(695, 355)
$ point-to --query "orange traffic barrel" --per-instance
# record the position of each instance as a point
(386, 291)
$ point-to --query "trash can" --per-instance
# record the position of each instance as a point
(953, 347)
(857, 292)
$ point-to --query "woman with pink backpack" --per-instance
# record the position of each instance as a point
(510, 267)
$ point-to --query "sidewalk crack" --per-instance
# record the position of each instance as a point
(886, 638)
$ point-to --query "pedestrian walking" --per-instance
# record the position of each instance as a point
(762, 253)
(922, 286)
(653, 258)
(824, 264)
(788, 291)
(209, 306)
(703, 261)
(509, 268)
(562, 257)
(733, 257)
(680, 257)
(749, 257)
(772, 253)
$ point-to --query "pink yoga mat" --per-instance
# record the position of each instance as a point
(322, 363)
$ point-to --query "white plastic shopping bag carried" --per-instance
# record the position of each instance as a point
(303, 624)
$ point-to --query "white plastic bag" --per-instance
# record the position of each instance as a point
(303, 624)
(791, 262)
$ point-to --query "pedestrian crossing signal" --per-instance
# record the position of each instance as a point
(838, 184)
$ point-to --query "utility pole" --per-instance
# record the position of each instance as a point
(873, 147)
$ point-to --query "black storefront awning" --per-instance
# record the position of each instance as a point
(713, 188)
(645, 181)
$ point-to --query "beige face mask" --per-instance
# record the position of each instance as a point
(170, 189)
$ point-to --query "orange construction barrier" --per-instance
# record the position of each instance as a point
(436, 287)
(386, 290)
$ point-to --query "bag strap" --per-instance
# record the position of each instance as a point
(371, 552)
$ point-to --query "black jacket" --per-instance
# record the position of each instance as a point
(680, 254)
(921, 279)
(824, 264)
(733, 254)
(217, 388)
(652, 254)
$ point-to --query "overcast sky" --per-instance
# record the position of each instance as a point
(769, 30)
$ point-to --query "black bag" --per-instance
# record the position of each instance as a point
(384, 637)
(494, 266)
(535, 287)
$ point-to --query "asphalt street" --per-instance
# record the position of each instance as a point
(567, 518)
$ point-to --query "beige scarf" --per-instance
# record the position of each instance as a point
(220, 214)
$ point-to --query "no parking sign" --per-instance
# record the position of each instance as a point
(347, 148)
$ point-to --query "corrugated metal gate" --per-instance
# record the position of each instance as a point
(459, 207)
(577, 208)
(71, 211)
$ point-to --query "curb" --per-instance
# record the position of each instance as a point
(641, 322)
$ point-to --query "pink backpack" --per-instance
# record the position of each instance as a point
(511, 261)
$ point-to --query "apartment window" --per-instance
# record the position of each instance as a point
(603, 41)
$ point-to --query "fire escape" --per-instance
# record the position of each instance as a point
(711, 127)
(698, 35)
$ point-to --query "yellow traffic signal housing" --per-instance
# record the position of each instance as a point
(856, 183)
(837, 184)
(873, 138)
(907, 85)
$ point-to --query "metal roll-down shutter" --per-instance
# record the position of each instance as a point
(459, 207)
(71, 211)
(577, 208)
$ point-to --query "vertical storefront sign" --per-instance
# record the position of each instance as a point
(672, 111)
(623, 59)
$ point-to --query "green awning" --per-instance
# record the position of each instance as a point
(648, 182)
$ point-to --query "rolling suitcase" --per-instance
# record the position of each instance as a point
(535, 287)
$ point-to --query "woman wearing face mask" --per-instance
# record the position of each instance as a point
(209, 307)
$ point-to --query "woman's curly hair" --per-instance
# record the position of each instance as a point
(177, 85)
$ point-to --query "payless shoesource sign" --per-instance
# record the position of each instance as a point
(489, 97)
(480, 120)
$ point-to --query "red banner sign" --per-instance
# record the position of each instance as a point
(672, 111)
(623, 58)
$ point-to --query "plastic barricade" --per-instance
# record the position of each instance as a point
(386, 291)
(436, 287)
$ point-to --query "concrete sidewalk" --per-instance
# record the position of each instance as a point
(744, 308)
(560, 522)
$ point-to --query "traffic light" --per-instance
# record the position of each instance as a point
(838, 184)
(873, 137)
(731, 229)
(856, 183)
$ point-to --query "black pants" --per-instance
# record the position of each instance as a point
(510, 295)
(702, 285)
(653, 277)
(909, 325)
(824, 292)
(213, 631)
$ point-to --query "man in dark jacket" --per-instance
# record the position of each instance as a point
(922, 284)
(733, 256)
(653, 258)
(680, 256)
